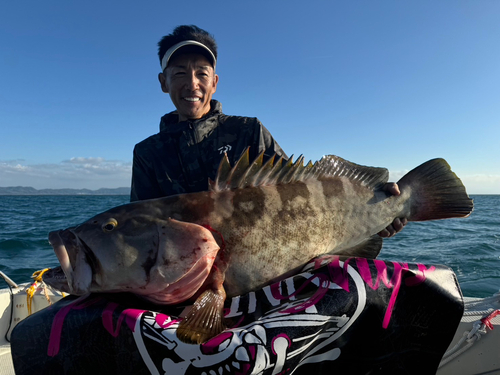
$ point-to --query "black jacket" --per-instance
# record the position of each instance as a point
(184, 155)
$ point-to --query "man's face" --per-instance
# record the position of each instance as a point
(191, 81)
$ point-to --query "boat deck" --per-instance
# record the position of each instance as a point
(6, 366)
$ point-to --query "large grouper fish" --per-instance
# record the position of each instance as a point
(258, 222)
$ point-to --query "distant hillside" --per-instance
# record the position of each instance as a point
(24, 190)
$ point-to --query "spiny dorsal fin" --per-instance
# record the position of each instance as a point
(277, 171)
(251, 173)
(264, 172)
(238, 172)
(222, 173)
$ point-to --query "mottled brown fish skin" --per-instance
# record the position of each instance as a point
(292, 224)
(270, 230)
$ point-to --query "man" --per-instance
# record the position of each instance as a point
(188, 149)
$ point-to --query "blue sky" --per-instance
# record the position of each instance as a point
(382, 83)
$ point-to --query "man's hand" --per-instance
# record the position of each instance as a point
(399, 223)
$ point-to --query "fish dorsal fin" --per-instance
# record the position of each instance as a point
(222, 173)
(264, 171)
(335, 166)
(276, 171)
(239, 170)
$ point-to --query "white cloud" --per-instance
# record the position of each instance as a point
(19, 167)
(85, 161)
(482, 183)
(91, 173)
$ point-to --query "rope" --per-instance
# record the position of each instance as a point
(471, 337)
(32, 289)
(475, 334)
(487, 321)
(474, 303)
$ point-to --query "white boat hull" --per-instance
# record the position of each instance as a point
(14, 307)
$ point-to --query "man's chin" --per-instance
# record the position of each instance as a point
(193, 115)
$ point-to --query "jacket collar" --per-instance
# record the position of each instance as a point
(170, 122)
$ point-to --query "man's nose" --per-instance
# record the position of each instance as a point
(192, 81)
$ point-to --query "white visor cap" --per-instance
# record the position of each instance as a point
(175, 47)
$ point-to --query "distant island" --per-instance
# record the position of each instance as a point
(25, 190)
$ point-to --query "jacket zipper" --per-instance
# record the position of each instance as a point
(199, 156)
(179, 158)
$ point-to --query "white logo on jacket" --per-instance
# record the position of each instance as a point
(224, 149)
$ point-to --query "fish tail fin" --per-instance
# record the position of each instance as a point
(436, 192)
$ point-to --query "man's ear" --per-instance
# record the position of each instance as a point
(215, 82)
(163, 82)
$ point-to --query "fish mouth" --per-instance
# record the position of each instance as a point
(74, 263)
(187, 286)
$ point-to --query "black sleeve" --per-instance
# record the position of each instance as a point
(268, 144)
(144, 181)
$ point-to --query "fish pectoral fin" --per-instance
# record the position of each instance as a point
(368, 249)
(205, 320)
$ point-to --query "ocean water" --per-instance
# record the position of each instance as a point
(470, 246)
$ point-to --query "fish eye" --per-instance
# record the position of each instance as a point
(109, 225)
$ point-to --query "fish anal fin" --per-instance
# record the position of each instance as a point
(368, 249)
(205, 319)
